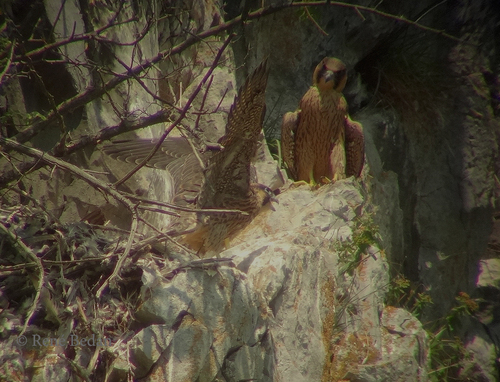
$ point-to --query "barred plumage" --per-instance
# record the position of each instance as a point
(226, 181)
(316, 139)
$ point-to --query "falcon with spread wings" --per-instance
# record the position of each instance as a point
(225, 182)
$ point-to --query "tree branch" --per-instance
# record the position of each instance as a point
(182, 114)
(48, 159)
(93, 93)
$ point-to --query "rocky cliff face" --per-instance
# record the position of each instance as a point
(306, 292)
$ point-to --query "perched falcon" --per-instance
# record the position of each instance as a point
(319, 140)
(225, 183)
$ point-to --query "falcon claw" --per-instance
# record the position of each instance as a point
(299, 183)
(326, 180)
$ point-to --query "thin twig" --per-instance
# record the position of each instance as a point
(162, 236)
(430, 10)
(220, 102)
(158, 210)
(184, 209)
(358, 8)
(318, 27)
(203, 100)
(363, 18)
(128, 247)
(146, 89)
(48, 159)
(197, 125)
(72, 39)
(8, 63)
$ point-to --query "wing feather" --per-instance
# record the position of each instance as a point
(354, 147)
(228, 172)
(135, 151)
(175, 155)
(288, 131)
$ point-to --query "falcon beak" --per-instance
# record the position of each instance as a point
(329, 76)
(271, 200)
(268, 196)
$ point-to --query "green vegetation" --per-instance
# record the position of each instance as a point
(364, 234)
(446, 349)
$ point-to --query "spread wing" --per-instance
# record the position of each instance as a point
(288, 130)
(175, 155)
(228, 172)
(136, 150)
(354, 147)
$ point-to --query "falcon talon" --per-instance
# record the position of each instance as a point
(325, 180)
(301, 183)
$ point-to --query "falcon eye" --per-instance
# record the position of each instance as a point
(321, 72)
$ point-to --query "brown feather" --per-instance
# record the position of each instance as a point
(314, 146)
(175, 155)
(228, 171)
(320, 130)
(288, 132)
(227, 178)
(226, 182)
(354, 147)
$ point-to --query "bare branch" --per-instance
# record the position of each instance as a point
(158, 210)
(104, 134)
(8, 63)
(182, 114)
(315, 23)
(161, 236)
(184, 209)
(203, 100)
(48, 159)
(93, 93)
(146, 89)
(363, 8)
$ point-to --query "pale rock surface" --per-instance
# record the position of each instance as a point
(204, 317)
(293, 306)
(482, 340)
(489, 273)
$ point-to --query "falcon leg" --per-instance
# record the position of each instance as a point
(312, 181)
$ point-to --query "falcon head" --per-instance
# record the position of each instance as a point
(330, 74)
(263, 195)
